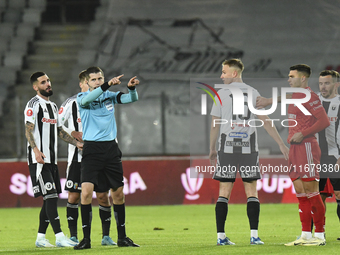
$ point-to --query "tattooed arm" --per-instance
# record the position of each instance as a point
(39, 156)
(69, 139)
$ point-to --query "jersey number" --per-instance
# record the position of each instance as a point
(246, 109)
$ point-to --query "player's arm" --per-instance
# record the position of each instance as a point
(272, 131)
(262, 102)
(321, 123)
(69, 139)
(39, 156)
(214, 132)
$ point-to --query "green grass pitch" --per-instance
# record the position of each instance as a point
(187, 229)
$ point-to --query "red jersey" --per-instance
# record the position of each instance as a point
(305, 122)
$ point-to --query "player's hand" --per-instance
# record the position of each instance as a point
(80, 146)
(39, 156)
(296, 138)
(285, 151)
(115, 80)
(77, 135)
(262, 102)
(133, 82)
(213, 157)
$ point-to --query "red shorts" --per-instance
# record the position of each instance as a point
(328, 190)
(304, 159)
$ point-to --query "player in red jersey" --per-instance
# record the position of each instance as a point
(304, 156)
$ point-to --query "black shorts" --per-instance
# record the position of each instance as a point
(73, 183)
(48, 183)
(102, 165)
(229, 164)
(328, 170)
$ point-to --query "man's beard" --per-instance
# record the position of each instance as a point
(46, 94)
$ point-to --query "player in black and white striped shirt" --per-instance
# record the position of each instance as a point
(41, 130)
(329, 138)
(237, 150)
(69, 114)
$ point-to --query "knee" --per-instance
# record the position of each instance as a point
(103, 199)
(73, 197)
(118, 197)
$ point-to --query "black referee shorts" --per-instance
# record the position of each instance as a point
(102, 165)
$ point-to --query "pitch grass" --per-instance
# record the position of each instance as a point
(187, 229)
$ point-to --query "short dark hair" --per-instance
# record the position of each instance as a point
(302, 68)
(234, 62)
(337, 76)
(334, 74)
(93, 69)
(34, 77)
(82, 76)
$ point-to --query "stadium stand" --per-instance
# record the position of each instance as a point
(165, 43)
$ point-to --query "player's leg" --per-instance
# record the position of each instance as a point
(225, 173)
(73, 187)
(41, 240)
(250, 173)
(72, 214)
(105, 217)
(318, 212)
(50, 184)
(336, 186)
(253, 210)
(221, 212)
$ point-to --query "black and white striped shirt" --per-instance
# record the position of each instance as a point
(44, 115)
(236, 135)
(329, 138)
(69, 113)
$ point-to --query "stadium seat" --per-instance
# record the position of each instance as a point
(12, 15)
(3, 4)
(3, 44)
(17, 4)
(37, 4)
(7, 29)
(19, 44)
(27, 30)
(14, 60)
(87, 57)
(32, 16)
(8, 75)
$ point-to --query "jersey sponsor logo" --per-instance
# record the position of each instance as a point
(51, 121)
(319, 106)
(333, 107)
(314, 102)
(79, 120)
(109, 106)
(238, 135)
(29, 113)
(292, 116)
(61, 110)
(237, 144)
(332, 118)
